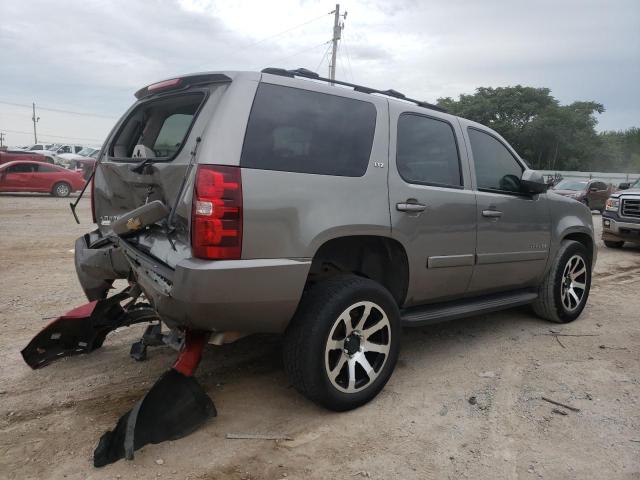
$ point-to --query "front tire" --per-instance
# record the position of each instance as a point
(564, 291)
(343, 342)
(61, 189)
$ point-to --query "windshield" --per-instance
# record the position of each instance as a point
(570, 185)
(635, 184)
(86, 151)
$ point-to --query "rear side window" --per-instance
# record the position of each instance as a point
(301, 131)
(427, 152)
(22, 168)
(46, 169)
(496, 168)
(157, 128)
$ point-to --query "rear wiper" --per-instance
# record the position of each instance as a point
(73, 205)
(172, 213)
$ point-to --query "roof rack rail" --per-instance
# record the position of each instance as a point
(304, 73)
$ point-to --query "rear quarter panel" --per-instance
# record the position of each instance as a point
(290, 215)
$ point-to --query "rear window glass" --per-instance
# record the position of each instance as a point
(301, 131)
(158, 128)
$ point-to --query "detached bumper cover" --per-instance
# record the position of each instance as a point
(98, 267)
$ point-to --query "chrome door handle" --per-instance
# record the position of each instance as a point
(491, 213)
(410, 207)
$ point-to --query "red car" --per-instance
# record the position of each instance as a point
(7, 156)
(28, 176)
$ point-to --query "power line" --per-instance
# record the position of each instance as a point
(58, 110)
(282, 33)
(48, 135)
(346, 49)
(322, 59)
(298, 52)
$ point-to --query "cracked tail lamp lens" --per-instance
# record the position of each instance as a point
(613, 204)
(216, 217)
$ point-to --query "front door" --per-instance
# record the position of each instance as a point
(513, 228)
(432, 204)
(17, 176)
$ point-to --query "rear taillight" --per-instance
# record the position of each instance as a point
(216, 216)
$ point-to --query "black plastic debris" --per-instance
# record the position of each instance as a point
(174, 407)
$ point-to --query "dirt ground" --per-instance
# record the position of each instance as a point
(421, 426)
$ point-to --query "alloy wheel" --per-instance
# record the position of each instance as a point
(574, 283)
(357, 347)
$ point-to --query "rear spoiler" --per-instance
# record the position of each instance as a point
(181, 83)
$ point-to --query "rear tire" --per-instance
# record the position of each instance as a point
(343, 342)
(564, 291)
(61, 189)
(613, 244)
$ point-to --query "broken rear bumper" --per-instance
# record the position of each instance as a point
(97, 268)
(248, 296)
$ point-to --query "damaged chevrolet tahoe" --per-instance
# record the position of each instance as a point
(332, 213)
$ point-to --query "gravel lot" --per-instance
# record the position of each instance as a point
(421, 426)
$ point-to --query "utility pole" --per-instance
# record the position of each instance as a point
(1, 139)
(35, 120)
(337, 32)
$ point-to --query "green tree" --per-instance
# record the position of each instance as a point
(548, 135)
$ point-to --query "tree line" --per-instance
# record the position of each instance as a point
(550, 136)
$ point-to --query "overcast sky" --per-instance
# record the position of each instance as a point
(90, 56)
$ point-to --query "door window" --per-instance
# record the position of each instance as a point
(427, 152)
(496, 168)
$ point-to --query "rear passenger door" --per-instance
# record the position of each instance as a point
(513, 228)
(432, 205)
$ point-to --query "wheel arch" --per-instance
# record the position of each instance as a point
(379, 258)
(585, 239)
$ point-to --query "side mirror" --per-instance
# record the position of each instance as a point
(624, 186)
(533, 182)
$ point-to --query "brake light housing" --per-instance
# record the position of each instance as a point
(216, 214)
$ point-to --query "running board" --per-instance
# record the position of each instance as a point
(442, 312)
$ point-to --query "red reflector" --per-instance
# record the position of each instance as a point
(165, 85)
(216, 215)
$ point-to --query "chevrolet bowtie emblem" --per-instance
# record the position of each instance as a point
(134, 224)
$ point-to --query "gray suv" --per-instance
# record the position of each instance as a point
(335, 214)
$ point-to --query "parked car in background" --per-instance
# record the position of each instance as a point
(593, 193)
(39, 147)
(52, 149)
(13, 155)
(32, 176)
(85, 166)
(628, 185)
(65, 159)
(621, 219)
